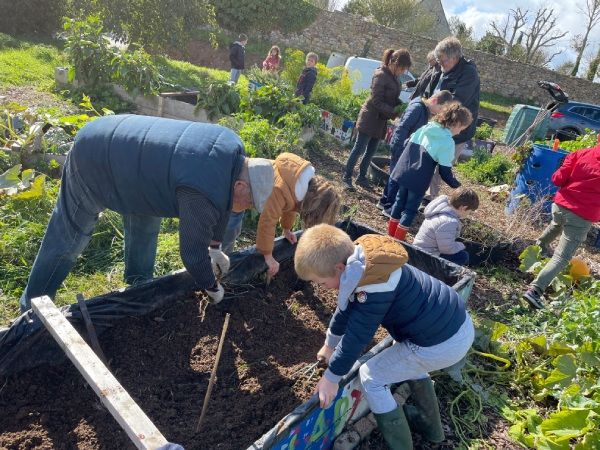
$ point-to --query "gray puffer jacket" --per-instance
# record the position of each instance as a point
(440, 229)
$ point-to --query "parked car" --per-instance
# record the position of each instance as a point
(569, 119)
(361, 72)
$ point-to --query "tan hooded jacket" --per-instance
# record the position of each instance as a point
(383, 255)
(282, 205)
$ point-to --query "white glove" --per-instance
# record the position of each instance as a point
(215, 294)
(219, 261)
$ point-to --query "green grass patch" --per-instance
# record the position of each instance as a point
(499, 103)
(28, 63)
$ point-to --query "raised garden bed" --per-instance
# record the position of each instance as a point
(485, 244)
(161, 339)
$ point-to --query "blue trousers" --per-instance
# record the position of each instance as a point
(235, 75)
(233, 230)
(391, 188)
(366, 146)
(406, 206)
(69, 232)
(461, 258)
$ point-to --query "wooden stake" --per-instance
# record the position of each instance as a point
(213, 374)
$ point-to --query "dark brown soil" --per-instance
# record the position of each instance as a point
(164, 361)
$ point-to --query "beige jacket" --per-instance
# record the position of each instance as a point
(282, 205)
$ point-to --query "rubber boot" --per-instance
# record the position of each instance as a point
(424, 416)
(400, 233)
(394, 428)
(392, 226)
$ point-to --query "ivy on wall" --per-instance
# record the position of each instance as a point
(263, 16)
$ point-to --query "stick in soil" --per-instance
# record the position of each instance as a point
(213, 374)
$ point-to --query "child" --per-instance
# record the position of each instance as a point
(308, 77)
(576, 206)
(237, 54)
(290, 187)
(441, 227)
(428, 147)
(382, 104)
(417, 114)
(426, 318)
(272, 61)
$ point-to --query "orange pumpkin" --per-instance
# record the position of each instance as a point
(579, 269)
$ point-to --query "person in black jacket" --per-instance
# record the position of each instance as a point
(459, 76)
(421, 83)
(308, 78)
(237, 54)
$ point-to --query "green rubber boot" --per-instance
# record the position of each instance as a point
(394, 428)
(424, 417)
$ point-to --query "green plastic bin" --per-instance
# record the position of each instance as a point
(520, 119)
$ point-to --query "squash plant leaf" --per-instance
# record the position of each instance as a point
(530, 258)
(566, 424)
(564, 371)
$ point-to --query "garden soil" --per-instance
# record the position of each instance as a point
(164, 361)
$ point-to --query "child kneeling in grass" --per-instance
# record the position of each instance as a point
(427, 319)
(440, 230)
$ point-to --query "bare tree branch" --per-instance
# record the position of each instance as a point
(542, 33)
(592, 14)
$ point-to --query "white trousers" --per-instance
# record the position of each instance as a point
(407, 361)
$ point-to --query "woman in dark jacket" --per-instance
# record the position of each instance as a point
(378, 108)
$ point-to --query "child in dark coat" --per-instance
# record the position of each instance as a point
(308, 78)
(429, 147)
(237, 55)
(427, 319)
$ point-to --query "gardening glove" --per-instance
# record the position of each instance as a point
(215, 293)
(219, 261)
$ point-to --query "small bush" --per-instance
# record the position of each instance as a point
(28, 17)
(488, 169)
(483, 131)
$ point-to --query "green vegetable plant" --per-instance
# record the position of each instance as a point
(488, 168)
(218, 98)
(483, 131)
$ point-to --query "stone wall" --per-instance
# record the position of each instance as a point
(352, 35)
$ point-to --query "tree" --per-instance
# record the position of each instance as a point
(462, 32)
(592, 15)
(154, 24)
(528, 40)
(263, 16)
(407, 15)
(593, 67)
(565, 68)
(491, 43)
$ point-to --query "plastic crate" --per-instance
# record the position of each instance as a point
(520, 119)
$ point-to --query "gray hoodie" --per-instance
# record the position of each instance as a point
(440, 229)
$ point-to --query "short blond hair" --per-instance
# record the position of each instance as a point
(313, 56)
(319, 250)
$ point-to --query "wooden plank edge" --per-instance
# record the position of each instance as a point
(140, 429)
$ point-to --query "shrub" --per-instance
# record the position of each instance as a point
(96, 61)
(27, 17)
(218, 98)
(483, 131)
(489, 169)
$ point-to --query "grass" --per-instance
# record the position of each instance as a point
(187, 75)
(499, 103)
(28, 63)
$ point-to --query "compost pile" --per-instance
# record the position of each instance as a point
(164, 361)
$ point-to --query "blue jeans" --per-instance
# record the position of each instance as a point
(366, 146)
(406, 206)
(69, 232)
(235, 75)
(391, 188)
(233, 230)
(461, 258)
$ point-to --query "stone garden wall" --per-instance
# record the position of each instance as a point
(352, 35)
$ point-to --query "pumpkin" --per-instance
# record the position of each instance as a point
(578, 269)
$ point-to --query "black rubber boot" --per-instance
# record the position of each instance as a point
(394, 428)
(363, 182)
(424, 416)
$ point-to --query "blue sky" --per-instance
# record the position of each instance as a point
(479, 14)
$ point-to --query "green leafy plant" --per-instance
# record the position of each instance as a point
(489, 169)
(218, 99)
(483, 131)
(95, 60)
(272, 102)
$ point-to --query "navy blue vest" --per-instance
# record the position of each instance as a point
(134, 164)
